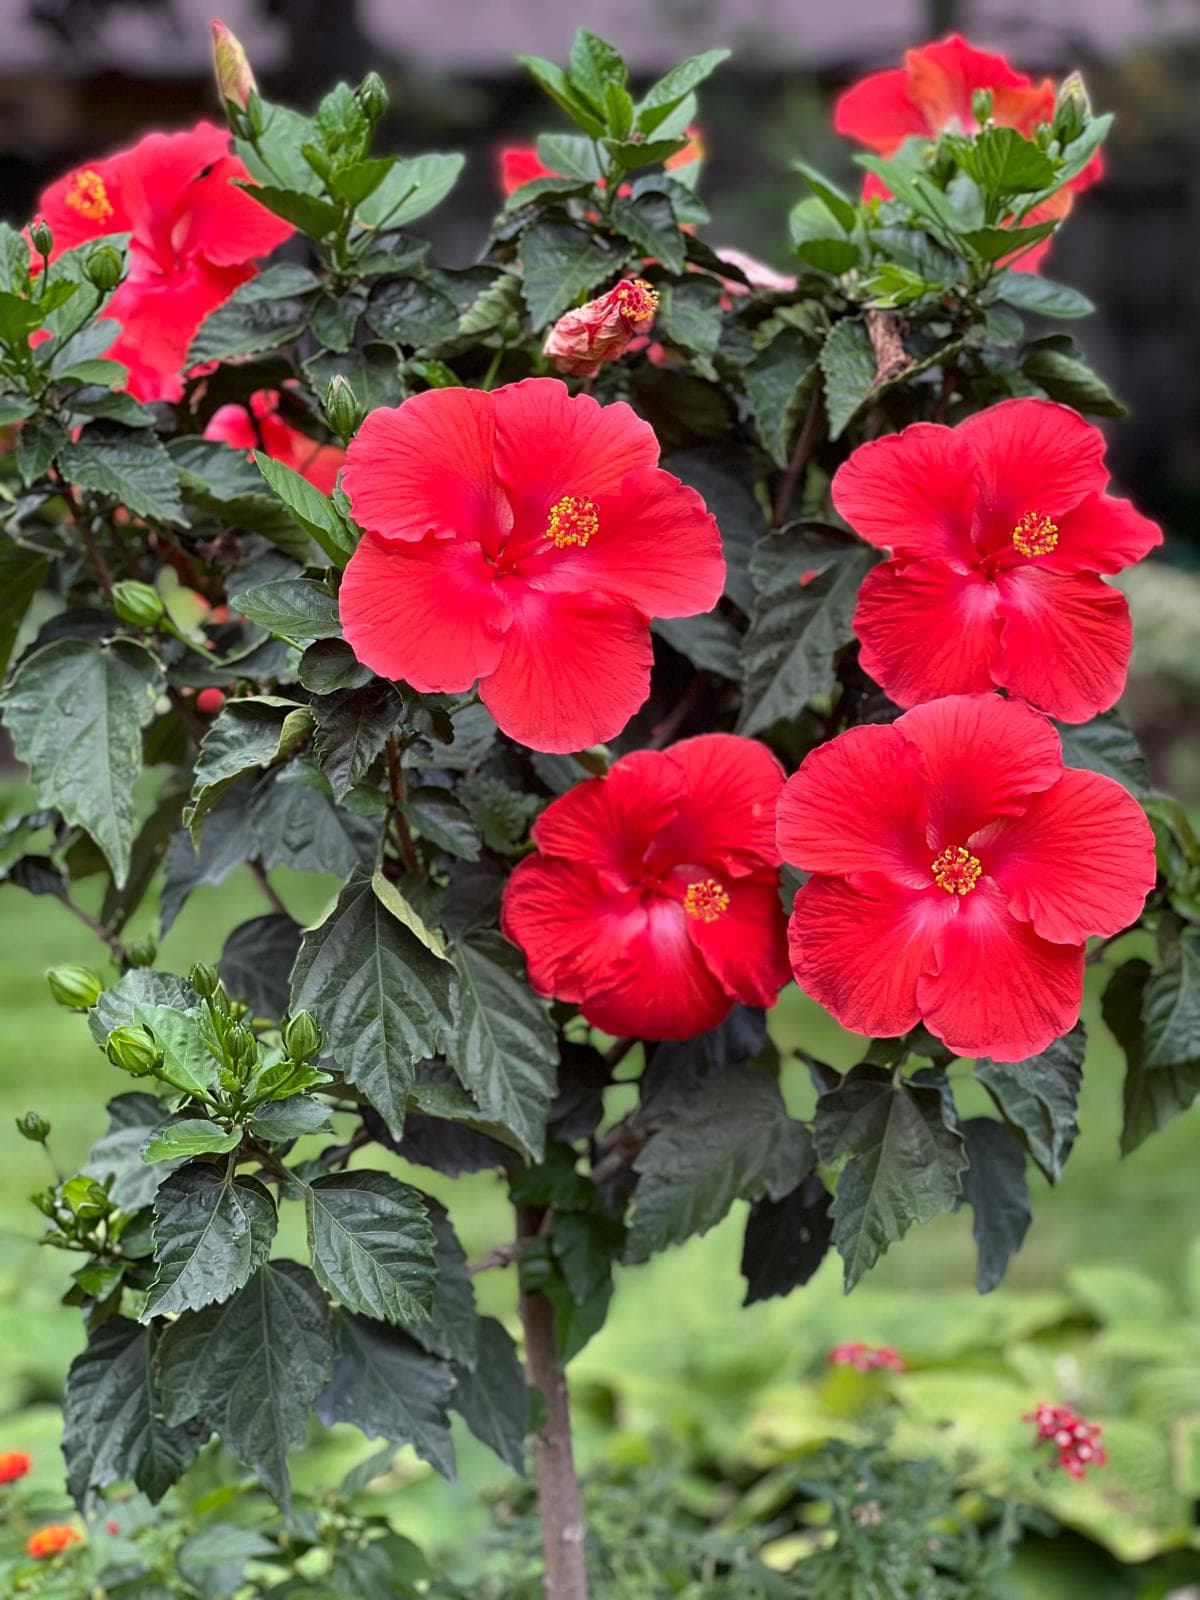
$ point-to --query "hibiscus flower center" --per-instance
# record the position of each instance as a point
(706, 900)
(1035, 534)
(572, 521)
(87, 195)
(636, 300)
(956, 870)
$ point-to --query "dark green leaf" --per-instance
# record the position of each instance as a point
(1107, 745)
(371, 1244)
(777, 381)
(650, 224)
(1065, 376)
(213, 1559)
(313, 510)
(37, 445)
(995, 1189)
(257, 961)
(381, 996)
(412, 312)
(689, 314)
(298, 609)
(386, 1385)
(554, 82)
(251, 1368)
(289, 1119)
(352, 729)
(22, 573)
(848, 363)
(136, 471)
(738, 514)
(905, 1165)
(593, 65)
(269, 311)
(786, 1240)
(75, 711)
(247, 735)
(329, 665)
(118, 1155)
(492, 1399)
(226, 842)
(317, 218)
(994, 244)
(709, 642)
(211, 1231)
(1029, 291)
(839, 205)
(585, 1244)
(439, 816)
(1171, 1005)
(562, 262)
(1038, 1097)
(113, 1428)
(732, 1140)
(1151, 1099)
(799, 620)
(503, 1044)
(451, 1328)
(297, 824)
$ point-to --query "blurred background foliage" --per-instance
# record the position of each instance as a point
(698, 1420)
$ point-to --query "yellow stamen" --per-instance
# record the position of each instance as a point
(637, 299)
(706, 901)
(87, 195)
(572, 521)
(1035, 534)
(956, 870)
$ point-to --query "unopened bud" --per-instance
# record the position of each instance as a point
(301, 1037)
(982, 102)
(1072, 109)
(133, 1050)
(76, 987)
(141, 952)
(241, 1045)
(373, 96)
(104, 267)
(46, 1201)
(33, 1127)
(40, 237)
(86, 1198)
(137, 603)
(342, 408)
(235, 81)
(204, 979)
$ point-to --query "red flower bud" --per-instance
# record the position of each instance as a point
(235, 81)
(581, 341)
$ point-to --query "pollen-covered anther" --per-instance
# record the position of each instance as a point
(637, 299)
(706, 900)
(87, 195)
(572, 521)
(956, 870)
(1035, 534)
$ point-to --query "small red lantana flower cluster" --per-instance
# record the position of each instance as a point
(1076, 1441)
(868, 1357)
(52, 1540)
(14, 1464)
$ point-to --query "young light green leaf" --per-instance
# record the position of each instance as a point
(193, 1136)
(662, 97)
(187, 1064)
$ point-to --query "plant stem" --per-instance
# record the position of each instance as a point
(114, 944)
(804, 447)
(560, 1503)
(259, 874)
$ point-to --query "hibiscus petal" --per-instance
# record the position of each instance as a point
(662, 986)
(1102, 534)
(550, 443)
(657, 546)
(1065, 643)
(426, 467)
(982, 758)
(733, 785)
(159, 317)
(857, 804)
(1033, 456)
(878, 112)
(746, 947)
(70, 225)
(997, 989)
(610, 823)
(913, 492)
(573, 928)
(859, 948)
(1078, 862)
(575, 668)
(426, 613)
(223, 223)
(927, 630)
(943, 76)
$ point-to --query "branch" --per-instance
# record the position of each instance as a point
(259, 873)
(804, 448)
(114, 944)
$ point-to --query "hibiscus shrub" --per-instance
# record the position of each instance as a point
(320, 564)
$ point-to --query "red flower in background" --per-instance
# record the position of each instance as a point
(931, 94)
(653, 900)
(581, 341)
(1076, 1441)
(998, 530)
(518, 164)
(51, 1540)
(868, 1357)
(957, 869)
(14, 1464)
(258, 425)
(195, 238)
(522, 538)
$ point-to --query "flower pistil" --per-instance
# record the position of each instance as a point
(956, 870)
(1035, 534)
(572, 521)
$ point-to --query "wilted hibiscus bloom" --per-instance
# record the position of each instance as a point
(14, 1464)
(932, 94)
(957, 869)
(998, 530)
(51, 1540)
(868, 1357)
(581, 341)
(195, 238)
(653, 900)
(522, 538)
(258, 425)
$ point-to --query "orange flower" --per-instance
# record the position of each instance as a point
(14, 1464)
(51, 1540)
(581, 341)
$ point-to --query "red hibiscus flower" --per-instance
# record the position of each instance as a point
(14, 1464)
(581, 341)
(957, 869)
(518, 164)
(653, 900)
(998, 529)
(931, 94)
(522, 538)
(259, 426)
(195, 239)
